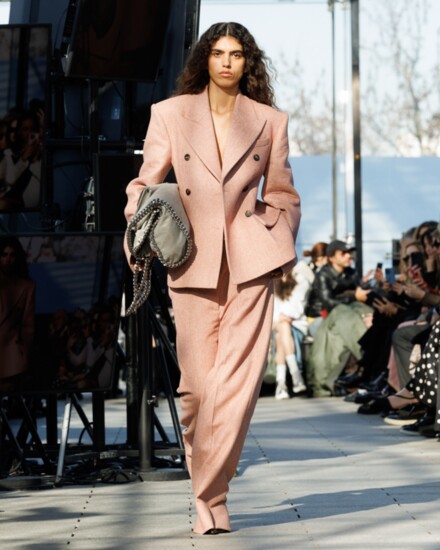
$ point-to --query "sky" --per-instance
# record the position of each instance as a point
(4, 12)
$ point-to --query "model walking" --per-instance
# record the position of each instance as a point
(222, 135)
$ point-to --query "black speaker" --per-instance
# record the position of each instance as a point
(115, 39)
(112, 172)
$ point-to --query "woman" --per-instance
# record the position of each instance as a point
(290, 328)
(17, 312)
(317, 255)
(421, 389)
(221, 135)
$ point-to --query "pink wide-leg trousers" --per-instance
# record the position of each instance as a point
(222, 342)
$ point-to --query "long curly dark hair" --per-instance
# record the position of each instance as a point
(255, 82)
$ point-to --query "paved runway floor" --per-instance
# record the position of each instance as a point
(313, 475)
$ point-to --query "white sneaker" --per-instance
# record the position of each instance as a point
(298, 383)
(281, 392)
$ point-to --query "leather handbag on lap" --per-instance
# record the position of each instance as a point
(159, 227)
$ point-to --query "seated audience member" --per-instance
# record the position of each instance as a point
(336, 282)
(17, 313)
(318, 258)
(424, 227)
(392, 308)
(416, 407)
(424, 386)
(432, 259)
(290, 327)
(428, 296)
(338, 298)
(317, 255)
(425, 272)
(402, 317)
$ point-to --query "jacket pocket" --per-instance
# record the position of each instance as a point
(265, 214)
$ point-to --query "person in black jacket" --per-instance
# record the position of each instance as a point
(338, 301)
(336, 282)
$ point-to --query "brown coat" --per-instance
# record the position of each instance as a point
(221, 201)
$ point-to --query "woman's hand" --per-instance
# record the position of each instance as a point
(284, 319)
(386, 307)
(398, 288)
(414, 291)
(415, 272)
(361, 294)
(138, 266)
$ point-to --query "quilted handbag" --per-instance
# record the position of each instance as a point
(159, 228)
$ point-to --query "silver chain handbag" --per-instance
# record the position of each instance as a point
(160, 226)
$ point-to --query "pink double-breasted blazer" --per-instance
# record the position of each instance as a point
(221, 200)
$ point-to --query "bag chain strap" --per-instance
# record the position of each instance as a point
(142, 274)
(141, 283)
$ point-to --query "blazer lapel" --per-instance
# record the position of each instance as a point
(246, 126)
(198, 129)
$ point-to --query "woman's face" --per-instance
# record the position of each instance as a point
(7, 259)
(226, 63)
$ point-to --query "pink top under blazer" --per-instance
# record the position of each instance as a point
(221, 201)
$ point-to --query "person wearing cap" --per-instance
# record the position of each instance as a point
(338, 299)
(336, 282)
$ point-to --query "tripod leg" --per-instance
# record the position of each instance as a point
(64, 438)
(82, 415)
(146, 423)
(160, 430)
(10, 435)
(161, 340)
(29, 421)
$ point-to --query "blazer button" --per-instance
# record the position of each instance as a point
(248, 213)
(245, 189)
(187, 156)
(256, 157)
(188, 191)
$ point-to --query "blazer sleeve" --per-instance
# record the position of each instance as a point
(278, 189)
(156, 163)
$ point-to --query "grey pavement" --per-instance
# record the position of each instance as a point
(313, 474)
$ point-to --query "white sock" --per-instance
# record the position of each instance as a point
(292, 364)
(281, 374)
